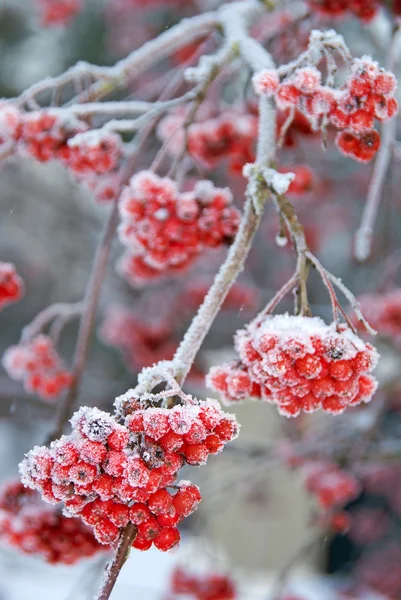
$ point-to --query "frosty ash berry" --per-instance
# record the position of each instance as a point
(298, 364)
(11, 285)
(33, 527)
(165, 230)
(38, 365)
(110, 474)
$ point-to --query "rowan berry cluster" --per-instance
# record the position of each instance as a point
(58, 12)
(367, 95)
(362, 9)
(211, 586)
(384, 313)
(299, 364)
(111, 474)
(231, 136)
(53, 134)
(303, 180)
(11, 285)
(141, 343)
(32, 527)
(165, 230)
(38, 365)
(331, 486)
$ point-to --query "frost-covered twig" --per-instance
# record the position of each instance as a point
(140, 60)
(288, 213)
(53, 312)
(363, 237)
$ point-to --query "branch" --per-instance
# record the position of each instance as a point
(235, 19)
(140, 60)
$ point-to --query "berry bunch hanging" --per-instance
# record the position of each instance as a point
(38, 365)
(384, 313)
(362, 9)
(165, 230)
(299, 364)
(331, 486)
(58, 12)
(11, 285)
(33, 527)
(368, 94)
(111, 474)
(208, 586)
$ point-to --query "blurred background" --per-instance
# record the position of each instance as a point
(255, 512)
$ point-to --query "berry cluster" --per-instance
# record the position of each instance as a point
(384, 313)
(241, 296)
(110, 474)
(51, 135)
(38, 364)
(362, 9)
(231, 136)
(211, 140)
(165, 230)
(11, 285)
(331, 486)
(211, 586)
(299, 364)
(32, 527)
(367, 95)
(58, 12)
(142, 343)
(303, 180)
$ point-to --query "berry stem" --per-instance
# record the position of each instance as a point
(363, 237)
(53, 312)
(287, 212)
(120, 556)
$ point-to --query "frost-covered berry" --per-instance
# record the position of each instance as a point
(38, 365)
(11, 285)
(93, 152)
(202, 585)
(165, 230)
(367, 95)
(363, 9)
(331, 486)
(266, 82)
(34, 527)
(383, 312)
(58, 12)
(111, 474)
(362, 147)
(141, 342)
(300, 364)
